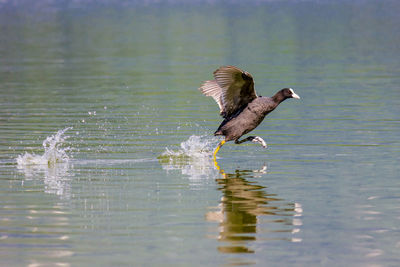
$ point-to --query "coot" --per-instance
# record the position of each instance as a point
(239, 105)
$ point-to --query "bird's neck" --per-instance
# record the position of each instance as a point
(278, 98)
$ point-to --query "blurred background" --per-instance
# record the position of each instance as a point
(106, 143)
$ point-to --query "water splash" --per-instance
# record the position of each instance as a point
(194, 158)
(54, 151)
(196, 147)
(53, 165)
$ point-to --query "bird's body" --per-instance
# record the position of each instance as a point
(247, 120)
(241, 108)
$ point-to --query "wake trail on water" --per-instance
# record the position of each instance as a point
(192, 157)
(56, 150)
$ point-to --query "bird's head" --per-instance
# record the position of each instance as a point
(289, 93)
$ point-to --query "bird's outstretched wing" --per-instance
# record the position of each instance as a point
(232, 89)
(211, 88)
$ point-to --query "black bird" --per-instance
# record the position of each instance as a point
(241, 108)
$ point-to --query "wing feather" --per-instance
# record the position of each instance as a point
(237, 88)
(232, 89)
(211, 88)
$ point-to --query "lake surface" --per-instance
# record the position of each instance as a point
(106, 143)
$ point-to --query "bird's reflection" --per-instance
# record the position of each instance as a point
(246, 211)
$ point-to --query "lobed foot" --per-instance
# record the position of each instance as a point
(259, 140)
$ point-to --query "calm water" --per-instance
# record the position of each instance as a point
(105, 142)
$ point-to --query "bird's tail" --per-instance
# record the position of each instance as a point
(218, 132)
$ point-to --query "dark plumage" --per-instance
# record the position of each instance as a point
(241, 108)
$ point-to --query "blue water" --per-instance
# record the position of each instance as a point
(106, 143)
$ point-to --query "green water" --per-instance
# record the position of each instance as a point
(132, 182)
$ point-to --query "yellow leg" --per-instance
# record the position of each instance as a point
(218, 147)
(215, 159)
